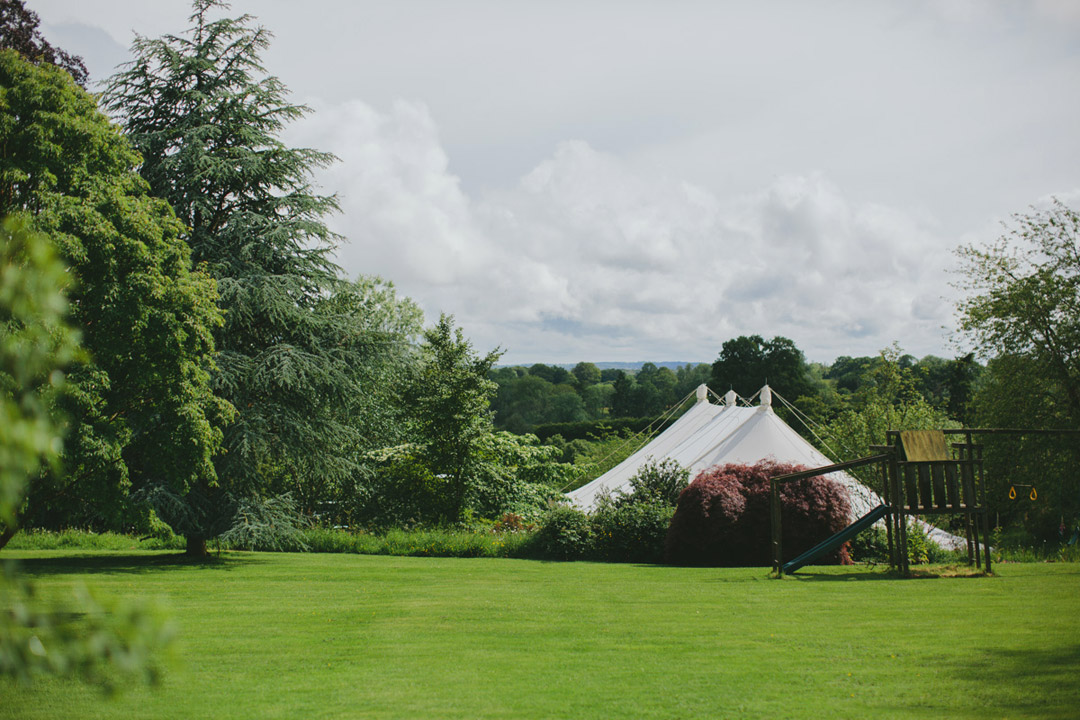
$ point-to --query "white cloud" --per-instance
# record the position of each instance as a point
(587, 257)
(403, 212)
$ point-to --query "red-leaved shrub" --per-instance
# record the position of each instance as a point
(723, 516)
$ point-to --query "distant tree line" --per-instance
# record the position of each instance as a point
(538, 397)
(540, 394)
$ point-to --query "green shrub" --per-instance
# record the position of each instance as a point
(1015, 544)
(508, 474)
(631, 532)
(870, 546)
(565, 534)
(431, 542)
(512, 523)
(922, 550)
(657, 481)
(157, 528)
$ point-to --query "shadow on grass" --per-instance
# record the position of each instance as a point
(1027, 681)
(135, 564)
(883, 572)
(863, 576)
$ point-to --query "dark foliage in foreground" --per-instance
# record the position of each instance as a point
(723, 516)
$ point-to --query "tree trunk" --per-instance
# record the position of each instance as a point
(7, 534)
(196, 546)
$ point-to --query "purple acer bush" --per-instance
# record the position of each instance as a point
(722, 518)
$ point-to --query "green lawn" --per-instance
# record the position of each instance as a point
(348, 636)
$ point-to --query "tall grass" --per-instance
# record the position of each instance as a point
(74, 539)
(420, 543)
(410, 543)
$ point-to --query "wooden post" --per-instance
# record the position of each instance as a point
(968, 482)
(985, 512)
(886, 495)
(774, 509)
(900, 481)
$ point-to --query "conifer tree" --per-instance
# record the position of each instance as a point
(206, 117)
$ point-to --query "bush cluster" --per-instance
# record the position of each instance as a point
(722, 518)
(658, 481)
(624, 527)
(565, 534)
(630, 532)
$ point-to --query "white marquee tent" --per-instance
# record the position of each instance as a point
(711, 434)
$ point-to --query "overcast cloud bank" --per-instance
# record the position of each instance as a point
(625, 181)
(586, 252)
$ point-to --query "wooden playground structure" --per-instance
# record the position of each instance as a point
(920, 474)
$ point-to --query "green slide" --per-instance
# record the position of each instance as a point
(838, 539)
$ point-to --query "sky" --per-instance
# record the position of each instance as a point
(626, 180)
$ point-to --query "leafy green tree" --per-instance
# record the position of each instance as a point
(141, 410)
(207, 118)
(522, 403)
(565, 406)
(964, 375)
(655, 390)
(19, 32)
(383, 331)
(610, 374)
(850, 373)
(623, 398)
(688, 377)
(948, 384)
(552, 373)
(586, 374)
(748, 362)
(891, 401)
(597, 399)
(449, 398)
(1023, 297)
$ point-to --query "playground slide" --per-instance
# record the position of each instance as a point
(838, 539)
